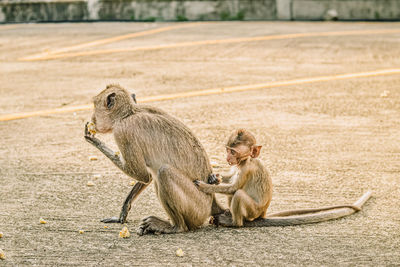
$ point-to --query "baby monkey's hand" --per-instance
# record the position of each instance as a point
(200, 184)
(204, 187)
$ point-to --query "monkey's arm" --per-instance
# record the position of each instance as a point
(225, 178)
(103, 148)
(143, 176)
(106, 151)
(228, 189)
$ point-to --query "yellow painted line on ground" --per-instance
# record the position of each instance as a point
(213, 42)
(8, 27)
(48, 54)
(213, 91)
(23, 115)
(249, 87)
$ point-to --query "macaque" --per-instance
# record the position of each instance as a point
(250, 188)
(155, 146)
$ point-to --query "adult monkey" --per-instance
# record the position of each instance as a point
(155, 146)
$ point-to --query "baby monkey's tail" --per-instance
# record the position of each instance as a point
(305, 216)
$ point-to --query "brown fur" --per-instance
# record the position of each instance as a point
(155, 146)
(250, 189)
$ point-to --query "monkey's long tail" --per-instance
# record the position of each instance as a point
(329, 213)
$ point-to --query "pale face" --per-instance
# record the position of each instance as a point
(233, 154)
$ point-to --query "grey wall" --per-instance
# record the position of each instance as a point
(346, 9)
(180, 10)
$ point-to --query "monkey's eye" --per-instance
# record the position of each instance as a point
(231, 151)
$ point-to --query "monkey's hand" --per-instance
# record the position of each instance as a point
(89, 136)
(214, 179)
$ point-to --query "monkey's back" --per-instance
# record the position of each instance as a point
(163, 140)
(259, 185)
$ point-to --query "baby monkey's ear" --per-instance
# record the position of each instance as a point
(255, 151)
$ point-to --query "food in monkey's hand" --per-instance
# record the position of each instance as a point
(91, 128)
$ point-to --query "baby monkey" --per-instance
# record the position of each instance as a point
(250, 187)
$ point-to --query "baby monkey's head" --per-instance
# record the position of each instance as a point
(240, 146)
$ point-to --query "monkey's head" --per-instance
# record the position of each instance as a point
(240, 146)
(111, 105)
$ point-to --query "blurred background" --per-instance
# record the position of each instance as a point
(196, 10)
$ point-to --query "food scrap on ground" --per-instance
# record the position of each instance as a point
(124, 233)
(179, 252)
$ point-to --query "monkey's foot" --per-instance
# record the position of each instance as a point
(223, 220)
(154, 225)
(227, 212)
(215, 218)
(112, 220)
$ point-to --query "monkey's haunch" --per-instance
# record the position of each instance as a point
(309, 218)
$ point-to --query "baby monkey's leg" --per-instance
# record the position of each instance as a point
(243, 207)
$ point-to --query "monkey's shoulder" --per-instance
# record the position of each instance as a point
(259, 181)
(161, 124)
(153, 113)
(255, 166)
(148, 115)
(151, 110)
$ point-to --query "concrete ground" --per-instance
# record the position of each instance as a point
(324, 142)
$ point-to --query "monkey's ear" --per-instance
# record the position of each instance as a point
(110, 100)
(134, 98)
(255, 151)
